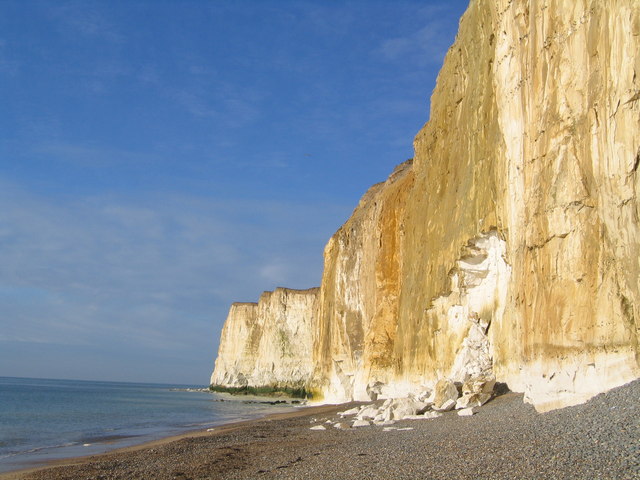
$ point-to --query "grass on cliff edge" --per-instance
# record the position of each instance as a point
(300, 392)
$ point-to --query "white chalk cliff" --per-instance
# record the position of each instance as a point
(509, 247)
(268, 343)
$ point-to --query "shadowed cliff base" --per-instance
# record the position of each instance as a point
(507, 439)
(264, 391)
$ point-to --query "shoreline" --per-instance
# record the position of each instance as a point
(98, 428)
(506, 439)
(298, 411)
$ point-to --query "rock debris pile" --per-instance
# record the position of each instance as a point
(447, 395)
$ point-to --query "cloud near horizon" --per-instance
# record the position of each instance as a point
(87, 271)
(161, 160)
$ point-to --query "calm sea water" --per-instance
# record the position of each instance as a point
(42, 420)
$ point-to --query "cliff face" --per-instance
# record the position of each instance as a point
(357, 321)
(511, 245)
(268, 343)
(568, 120)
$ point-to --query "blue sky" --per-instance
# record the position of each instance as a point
(162, 159)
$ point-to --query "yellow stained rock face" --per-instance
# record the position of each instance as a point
(357, 322)
(565, 76)
(510, 246)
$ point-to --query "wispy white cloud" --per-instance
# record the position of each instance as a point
(87, 18)
(275, 271)
(156, 275)
(425, 45)
(202, 93)
(8, 65)
(85, 155)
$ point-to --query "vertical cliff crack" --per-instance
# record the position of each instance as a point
(636, 162)
(634, 98)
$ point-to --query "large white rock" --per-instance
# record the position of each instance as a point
(368, 413)
(360, 423)
(425, 396)
(446, 406)
(402, 407)
(444, 392)
(351, 411)
(431, 414)
(472, 400)
(384, 415)
(479, 385)
(467, 412)
(384, 422)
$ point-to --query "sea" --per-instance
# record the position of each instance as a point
(43, 420)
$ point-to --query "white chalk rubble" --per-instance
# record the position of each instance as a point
(427, 404)
(447, 395)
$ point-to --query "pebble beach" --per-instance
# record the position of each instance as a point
(506, 439)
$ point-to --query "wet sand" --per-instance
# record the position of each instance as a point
(505, 439)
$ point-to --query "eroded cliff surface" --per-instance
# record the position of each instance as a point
(361, 284)
(566, 80)
(510, 246)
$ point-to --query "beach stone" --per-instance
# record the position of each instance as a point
(467, 412)
(339, 426)
(385, 422)
(360, 423)
(318, 427)
(444, 392)
(446, 406)
(402, 407)
(472, 400)
(351, 411)
(385, 413)
(431, 414)
(368, 413)
(424, 396)
(479, 385)
(465, 401)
